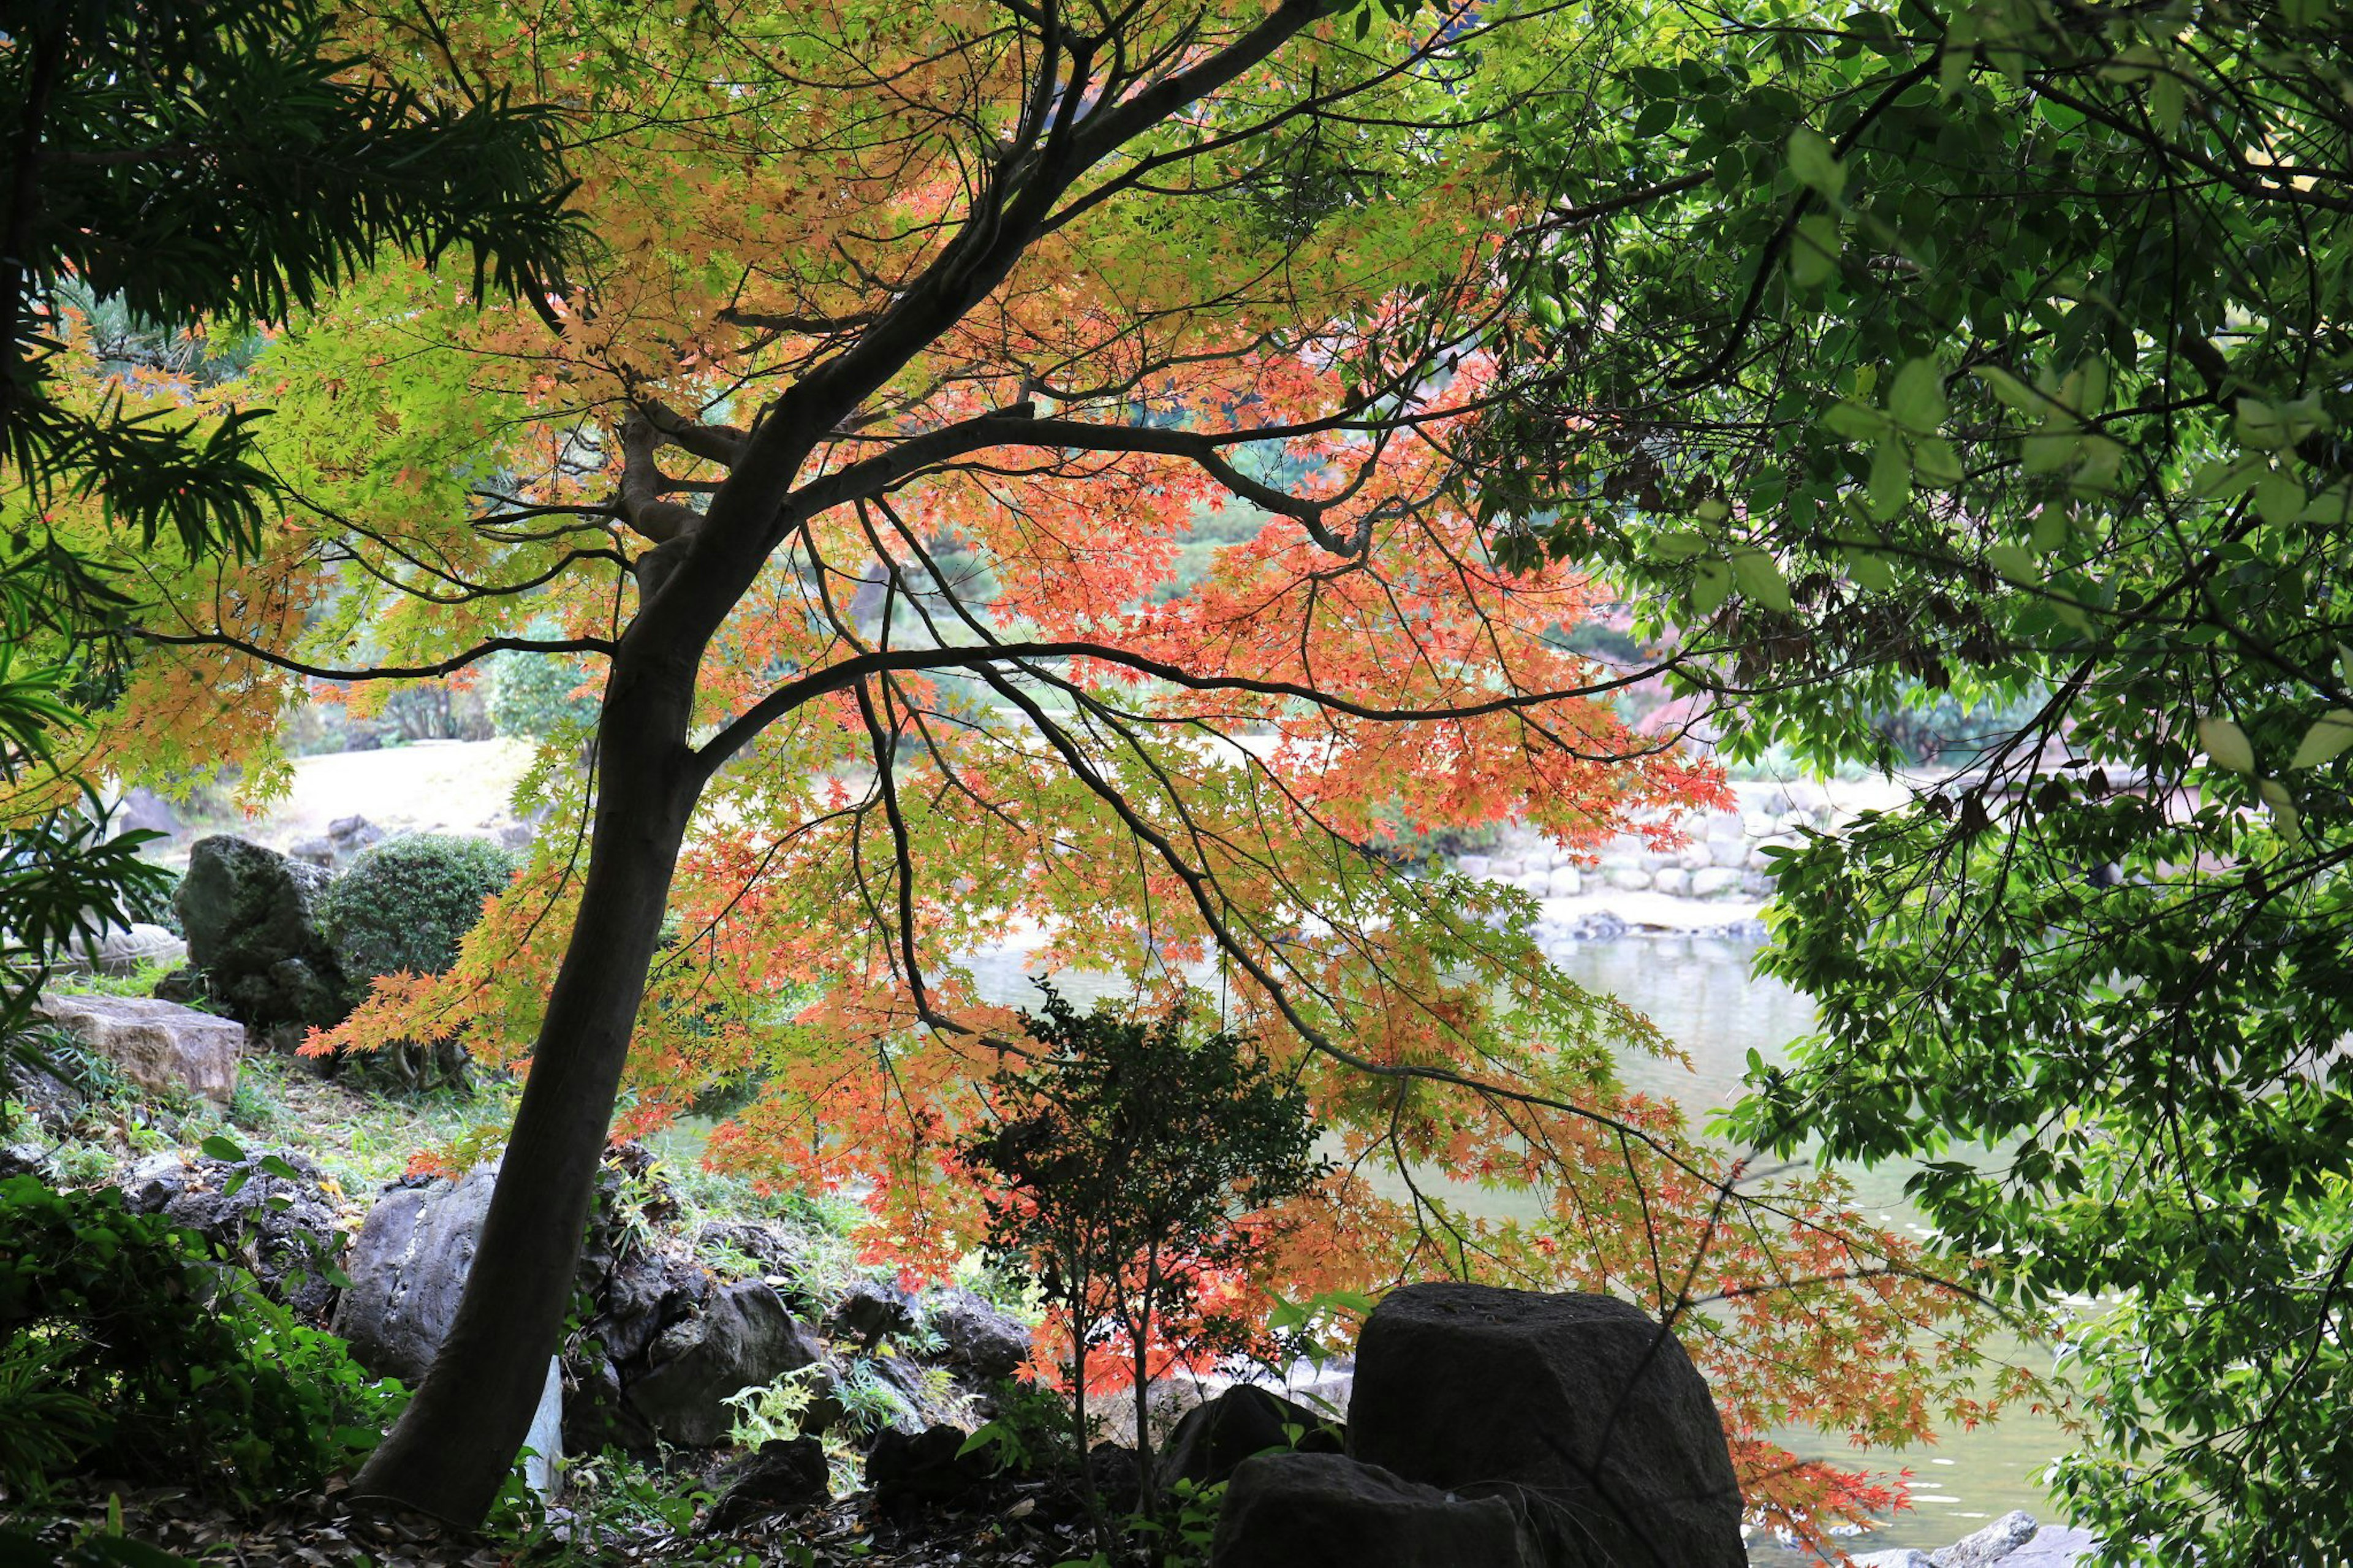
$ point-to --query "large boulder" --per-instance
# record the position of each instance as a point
(1213, 1439)
(595, 1416)
(407, 1268)
(1583, 1402)
(157, 1045)
(772, 1250)
(250, 918)
(2055, 1546)
(871, 1312)
(643, 1294)
(1325, 1511)
(743, 1338)
(272, 1210)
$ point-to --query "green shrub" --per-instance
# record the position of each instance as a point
(530, 695)
(126, 1351)
(407, 902)
(1127, 1164)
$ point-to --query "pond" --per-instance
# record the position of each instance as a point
(1699, 990)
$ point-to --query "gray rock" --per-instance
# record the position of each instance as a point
(351, 834)
(25, 1160)
(1213, 1439)
(545, 1438)
(1902, 1558)
(158, 1045)
(1714, 881)
(143, 810)
(784, 1474)
(2053, 1546)
(313, 851)
(1991, 1545)
(250, 916)
(1325, 1511)
(595, 1414)
(642, 1297)
(870, 1311)
(408, 1267)
(979, 1339)
(281, 1228)
(152, 1181)
(929, 1465)
(742, 1338)
(182, 986)
(1583, 1401)
(776, 1250)
(55, 1103)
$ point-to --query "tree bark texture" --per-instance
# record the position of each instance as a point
(453, 1445)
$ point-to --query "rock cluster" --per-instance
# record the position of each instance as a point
(1727, 854)
(346, 837)
(666, 1342)
(1501, 1427)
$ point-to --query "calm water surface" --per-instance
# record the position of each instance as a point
(1699, 991)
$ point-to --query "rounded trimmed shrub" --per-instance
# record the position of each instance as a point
(407, 902)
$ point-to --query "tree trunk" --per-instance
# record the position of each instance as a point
(452, 1447)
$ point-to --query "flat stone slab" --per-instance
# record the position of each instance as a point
(157, 1045)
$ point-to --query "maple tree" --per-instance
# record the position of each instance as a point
(1122, 1167)
(848, 463)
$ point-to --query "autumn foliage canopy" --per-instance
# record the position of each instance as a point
(977, 685)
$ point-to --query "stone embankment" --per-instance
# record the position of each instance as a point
(1716, 879)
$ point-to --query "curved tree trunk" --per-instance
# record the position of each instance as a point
(454, 1445)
